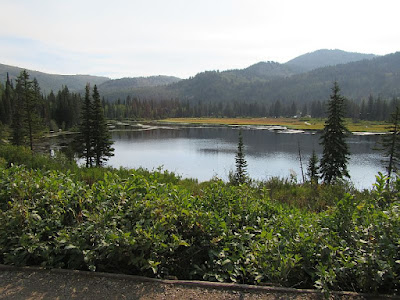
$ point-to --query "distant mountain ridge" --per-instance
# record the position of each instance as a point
(379, 76)
(249, 84)
(55, 82)
(121, 87)
(324, 57)
(305, 78)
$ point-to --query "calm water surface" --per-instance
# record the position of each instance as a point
(204, 152)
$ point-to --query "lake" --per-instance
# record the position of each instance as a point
(208, 151)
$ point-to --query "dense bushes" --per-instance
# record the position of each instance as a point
(149, 223)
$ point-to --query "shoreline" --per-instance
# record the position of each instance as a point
(163, 124)
(365, 128)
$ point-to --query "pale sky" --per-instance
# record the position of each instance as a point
(122, 38)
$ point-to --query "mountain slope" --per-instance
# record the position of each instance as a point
(205, 85)
(120, 88)
(324, 57)
(261, 82)
(378, 76)
(255, 83)
(263, 71)
(53, 82)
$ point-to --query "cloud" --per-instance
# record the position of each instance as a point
(181, 38)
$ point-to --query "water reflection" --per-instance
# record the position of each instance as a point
(209, 151)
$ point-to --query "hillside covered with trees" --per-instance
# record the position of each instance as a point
(261, 82)
(119, 88)
(266, 89)
(378, 76)
(324, 58)
(52, 82)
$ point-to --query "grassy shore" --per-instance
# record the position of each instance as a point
(291, 123)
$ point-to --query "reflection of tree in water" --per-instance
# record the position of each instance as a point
(204, 152)
(258, 142)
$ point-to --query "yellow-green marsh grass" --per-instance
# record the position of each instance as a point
(291, 123)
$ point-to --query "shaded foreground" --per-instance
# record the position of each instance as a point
(35, 283)
(154, 224)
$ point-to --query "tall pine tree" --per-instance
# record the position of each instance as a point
(7, 111)
(390, 144)
(93, 143)
(312, 168)
(83, 142)
(335, 150)
(23, 90)
(26, 120)
(240, 175)
(32, 113)
(101, 138)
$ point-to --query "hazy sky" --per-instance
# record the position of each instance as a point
(119, 38)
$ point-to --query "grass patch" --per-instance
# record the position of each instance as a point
(291, 123)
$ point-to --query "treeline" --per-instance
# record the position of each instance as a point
(28, 113)
(372, 109)
(55, 111)
(62, 110)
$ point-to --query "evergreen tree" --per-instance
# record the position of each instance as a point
(335, 150)
(370, 108)
(277, 109)
(23, 91)
(32, 117)
(9, 94)
(26, 120)
(312, 169)
(17, 123)
(7, 111)
(390, 144)
(304, 110)
(101, 138)
(83, 141)
(363, 111)
(240, 175)
(292, 110)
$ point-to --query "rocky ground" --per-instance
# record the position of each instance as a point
(36, 283)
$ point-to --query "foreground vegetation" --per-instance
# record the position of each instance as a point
(55, 214)
(291, 123)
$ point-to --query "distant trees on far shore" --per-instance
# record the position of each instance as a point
(62, 109)
(372, 109)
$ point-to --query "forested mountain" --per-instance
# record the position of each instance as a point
(264, 89)
(159, 87)
(262, 71)
(379, 76)
(49, 82)
(263, 82)
(324, 57)
(265, 71)
(120, 88)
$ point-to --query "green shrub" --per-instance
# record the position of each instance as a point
(155, 224)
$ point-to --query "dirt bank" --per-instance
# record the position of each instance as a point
(36, 283)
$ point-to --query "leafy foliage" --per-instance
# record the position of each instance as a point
(149, 223)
